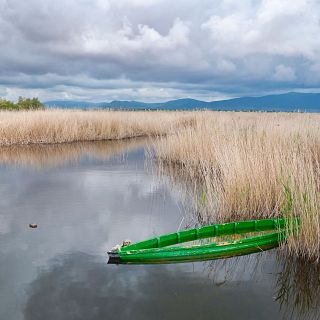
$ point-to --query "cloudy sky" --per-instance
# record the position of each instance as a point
(156, 50)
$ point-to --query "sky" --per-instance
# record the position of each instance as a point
(157, 50)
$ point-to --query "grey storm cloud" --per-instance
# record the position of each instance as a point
(157, 49)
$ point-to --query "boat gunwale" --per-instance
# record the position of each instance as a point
(155, 250)
(236, 228)
(199, 254)
(276, 236)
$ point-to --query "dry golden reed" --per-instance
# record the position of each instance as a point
(252, 165)
(59, 126)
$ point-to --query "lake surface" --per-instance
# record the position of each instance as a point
(87, 197)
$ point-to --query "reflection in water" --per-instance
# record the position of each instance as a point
(79, 286)
(298, 288)
(85, 203)
(239, 268)
(296, 285)
(44, 155)
(198, 202)
(87, 206)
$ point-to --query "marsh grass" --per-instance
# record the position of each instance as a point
(60, 126)
(251, 165)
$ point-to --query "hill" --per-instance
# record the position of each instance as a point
(292, 101)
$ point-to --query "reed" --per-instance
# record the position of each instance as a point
(59, 126)
(252, 165)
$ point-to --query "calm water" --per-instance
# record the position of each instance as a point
(86, 198)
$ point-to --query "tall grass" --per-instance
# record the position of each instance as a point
(252, 165)
(58, 126)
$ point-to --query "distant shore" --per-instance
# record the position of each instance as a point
(59, 126)
(285, 102)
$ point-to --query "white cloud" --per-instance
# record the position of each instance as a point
(137, 3)
(223, 46)
(287, 28)
(283, 73)
(226, 65)
(126, 41)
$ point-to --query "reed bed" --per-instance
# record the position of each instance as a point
(252, 165)
(60, 126)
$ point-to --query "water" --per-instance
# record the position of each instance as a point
(86, 198)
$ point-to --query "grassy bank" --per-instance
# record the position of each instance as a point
(248, 165)
(59, 126)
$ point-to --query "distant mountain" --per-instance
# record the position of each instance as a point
(123, 104)
(70, 104)
(292, 101)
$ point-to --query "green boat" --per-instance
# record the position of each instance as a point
(210, 242)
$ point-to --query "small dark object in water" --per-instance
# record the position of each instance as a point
(33, 225)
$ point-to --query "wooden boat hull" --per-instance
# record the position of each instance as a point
(158, 250)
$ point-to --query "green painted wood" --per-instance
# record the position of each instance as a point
(158, 250)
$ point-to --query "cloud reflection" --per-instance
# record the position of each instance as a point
(81, 286)
(51, 155)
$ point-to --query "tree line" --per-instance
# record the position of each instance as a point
(21, 104)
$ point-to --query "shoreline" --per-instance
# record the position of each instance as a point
(50, 126)
(64, 126)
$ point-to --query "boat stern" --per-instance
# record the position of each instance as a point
(114, 257)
